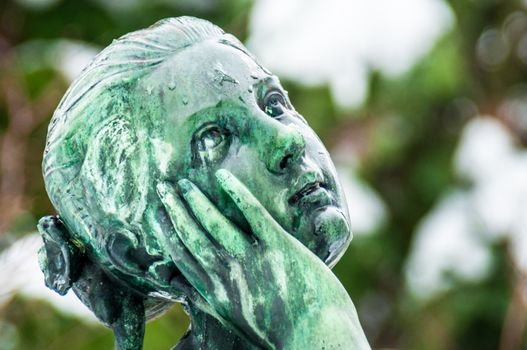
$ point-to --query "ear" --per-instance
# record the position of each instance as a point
(59, 259)
(127, 254)
(131, 257)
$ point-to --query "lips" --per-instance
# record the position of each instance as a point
(308, 189)
(310, 192)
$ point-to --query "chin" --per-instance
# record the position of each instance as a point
(327, 233)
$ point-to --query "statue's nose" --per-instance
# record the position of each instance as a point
(284, 147)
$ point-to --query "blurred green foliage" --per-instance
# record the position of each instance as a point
(406, 133)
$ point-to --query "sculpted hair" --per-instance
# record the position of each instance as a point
(98, 163)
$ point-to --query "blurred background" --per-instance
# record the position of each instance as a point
(422, 104)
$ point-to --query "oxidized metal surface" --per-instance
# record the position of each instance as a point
(182, 173)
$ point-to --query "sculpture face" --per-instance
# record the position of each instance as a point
(221, 109)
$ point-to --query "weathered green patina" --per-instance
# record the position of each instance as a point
(182, 173)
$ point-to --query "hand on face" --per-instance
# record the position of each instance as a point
(254, 279)
(227, 112)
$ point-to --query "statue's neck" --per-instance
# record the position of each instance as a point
(207, 333)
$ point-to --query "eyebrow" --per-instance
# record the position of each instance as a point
(263, 85)
(271, 79)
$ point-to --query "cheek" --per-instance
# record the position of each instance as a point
(244, 163)
(239, 160)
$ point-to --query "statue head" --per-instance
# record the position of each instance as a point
(182, 99)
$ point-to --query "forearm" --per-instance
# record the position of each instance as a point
(330, 328)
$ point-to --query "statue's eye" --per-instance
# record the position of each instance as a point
(211, 142)
(274, 104)
(210, 138)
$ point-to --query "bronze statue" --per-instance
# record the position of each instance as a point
(182, 173)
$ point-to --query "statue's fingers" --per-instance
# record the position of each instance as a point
(262, 223)
(185, 262)
(193, 272)
(192, 236)
(197, 277)
(216, 224)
